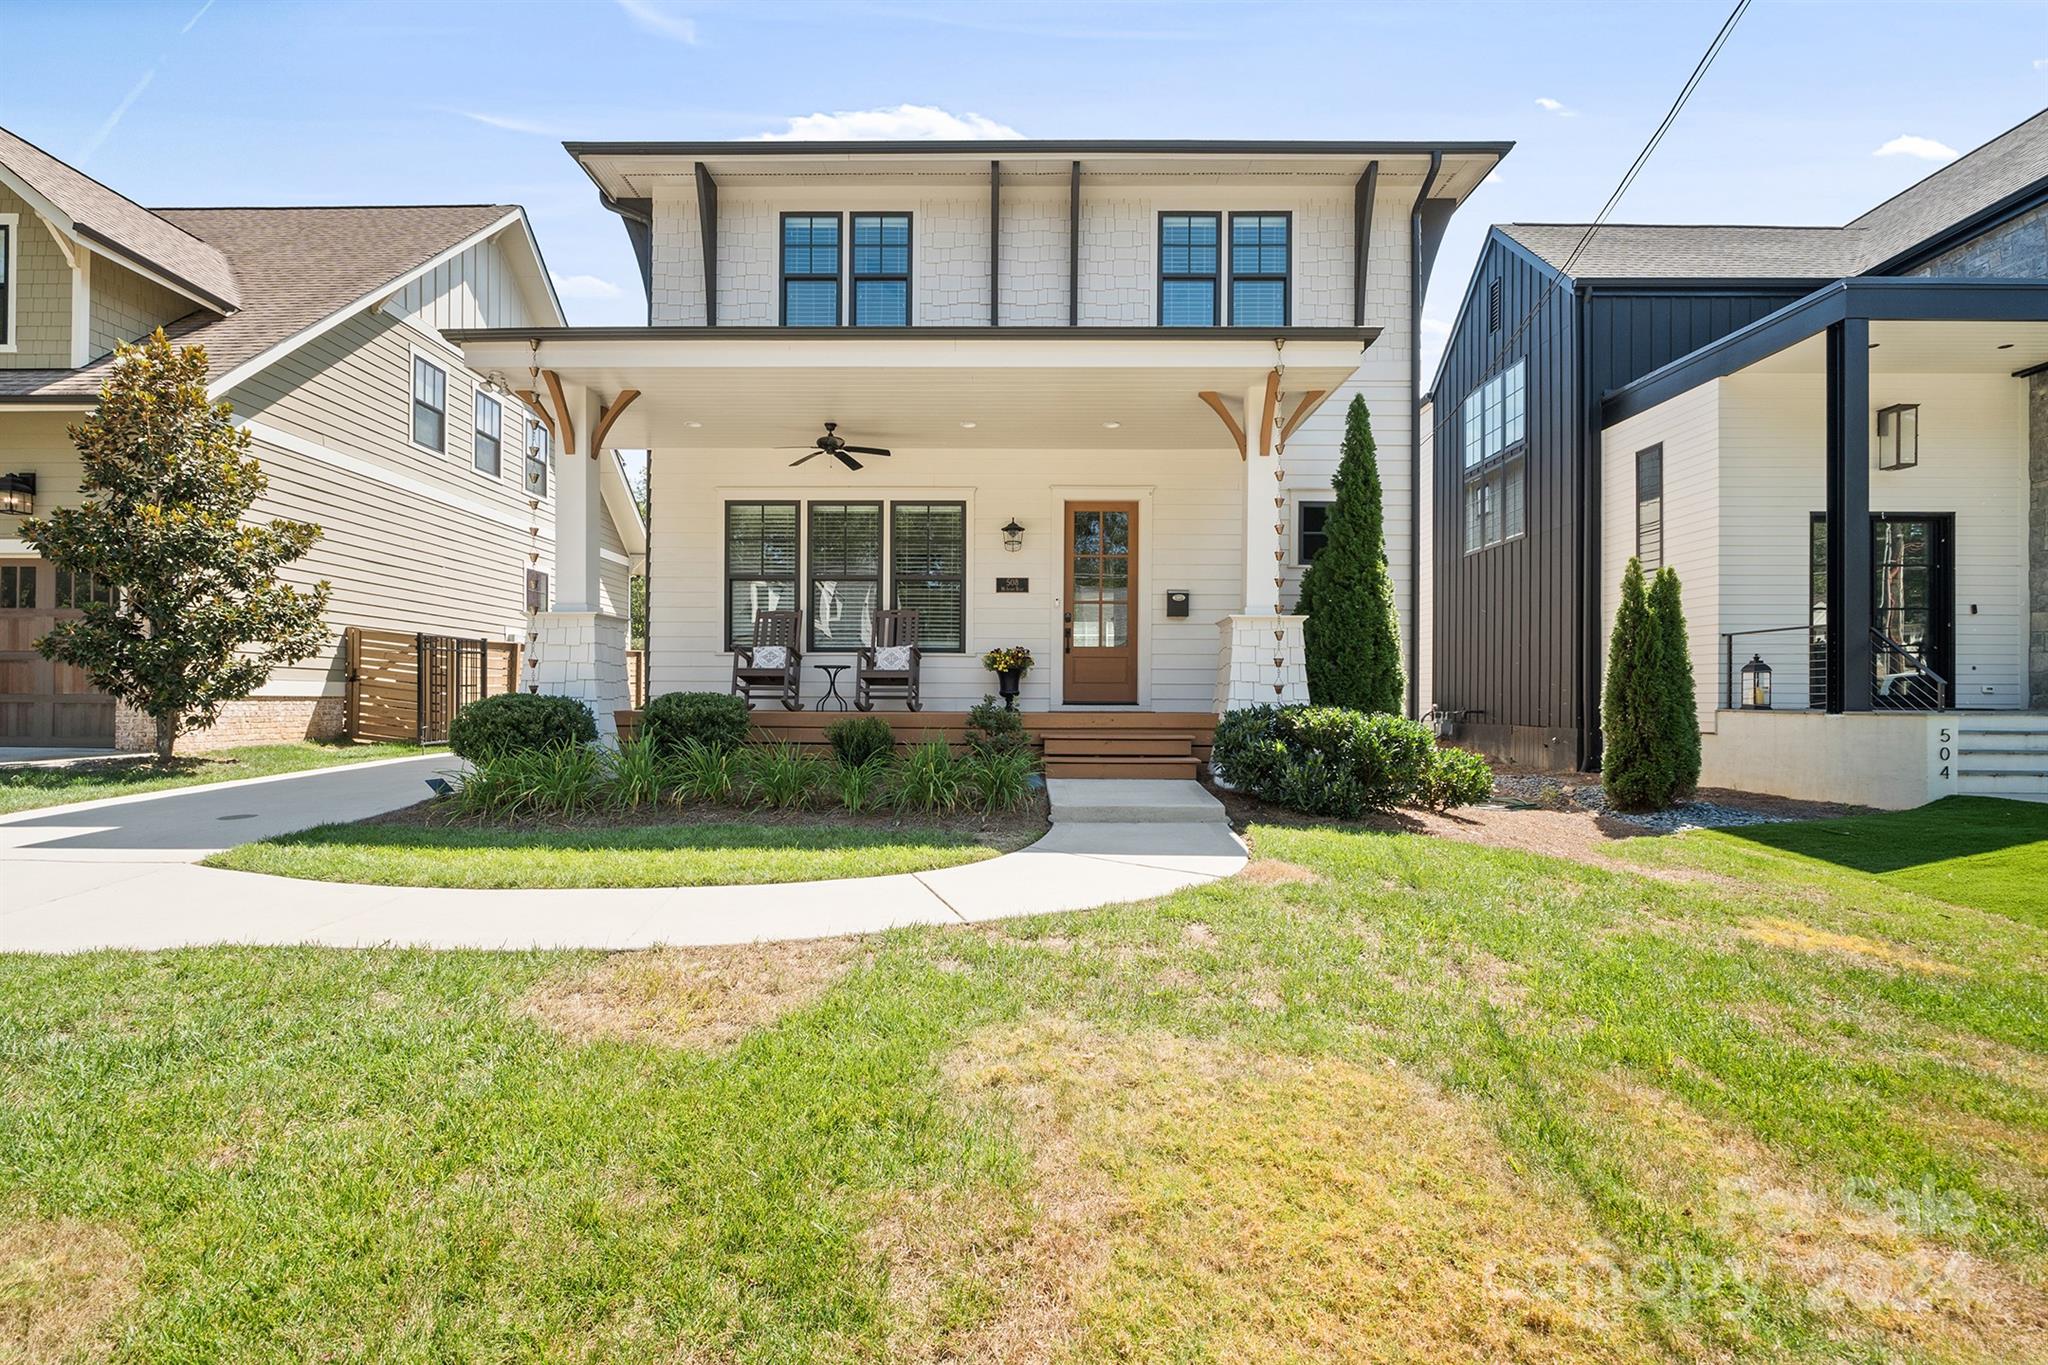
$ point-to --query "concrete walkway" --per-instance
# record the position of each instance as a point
(121, 874)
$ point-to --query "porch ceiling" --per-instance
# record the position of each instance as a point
(1927, 347)
(750, 390)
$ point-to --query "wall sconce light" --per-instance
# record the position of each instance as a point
(17, 494)
(1756, 684)
(1013, 536)
(1898, 436)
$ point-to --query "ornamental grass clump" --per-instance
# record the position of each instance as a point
(858, 786)
(705, 773)
(778, 776)
(637, 775)
(1330, 760)
(928, 780)
(999, 781)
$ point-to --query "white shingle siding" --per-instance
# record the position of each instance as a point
(749, 249)
(678, 293)
(949, 261)
(1119, 268)
(1034, 258)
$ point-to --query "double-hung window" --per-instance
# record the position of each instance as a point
(1258, 269)
(928, 570)
(760, 565)
(845, 569)
(1650, 507)
(881, 269)
(490, 435)
(538, 448)
(1494, 427)
(1190, 259)
(1312, 531)
(810, 270)
(7, 282)
(76, 591)
(429, 404)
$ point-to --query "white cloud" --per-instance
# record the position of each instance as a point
(654, 19)
(586, 287)
(1924, 148)
(510, 125)
(1551, 106)
(1492, 178)
(2041, 63)
(904, 123)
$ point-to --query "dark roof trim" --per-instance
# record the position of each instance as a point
(1964, 229)
(1876, 300)
(1494, 236)
(981, 149)
(1683, 284)
(1365, 336)
(108, 244)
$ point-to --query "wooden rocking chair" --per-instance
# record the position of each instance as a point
(756, 668)
(889, 663)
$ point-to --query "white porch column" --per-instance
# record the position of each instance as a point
(1259, 658)
(581, 648)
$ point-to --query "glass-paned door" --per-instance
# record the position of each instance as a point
(1101, 654)
(1911, 602)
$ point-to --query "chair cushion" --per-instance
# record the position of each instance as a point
(892, 658)
(771, 656)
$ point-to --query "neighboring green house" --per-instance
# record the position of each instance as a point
(431, 481)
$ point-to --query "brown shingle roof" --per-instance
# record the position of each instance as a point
(121, 224)
(297, 267)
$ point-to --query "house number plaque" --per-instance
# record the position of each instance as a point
(1013, 585)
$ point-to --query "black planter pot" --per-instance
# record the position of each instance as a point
(1007, 682)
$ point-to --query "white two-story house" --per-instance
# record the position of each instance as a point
(1109, 377)
(323, 327)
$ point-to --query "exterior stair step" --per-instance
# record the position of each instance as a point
(1119, 746)
(1131, 766)
(1129, 801)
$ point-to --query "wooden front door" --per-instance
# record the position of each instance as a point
(43, 702)
(1101, 657)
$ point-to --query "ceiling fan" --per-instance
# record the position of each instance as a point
(838, 449)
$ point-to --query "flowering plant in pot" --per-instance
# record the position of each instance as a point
(1009, 663)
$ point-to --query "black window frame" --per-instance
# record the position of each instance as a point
(1302, 556)
(1232, 275)
(6, 284)
(1643, 456)
(13, 578)
(810, 578)
(1214, 277)
(419, 403)
(837, 277)
(854, 276)
(533, 465)
(64, 585)
(897, 579)
(796, 566)
(478, 436)
(1492, 475)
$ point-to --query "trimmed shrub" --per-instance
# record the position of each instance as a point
(716, 719)
(1641, 768)
(1678, 717)
(993, 729)
(1328, 760)
(519, 722)
(859, 739)
(1352, 638)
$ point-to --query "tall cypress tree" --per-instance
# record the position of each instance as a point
(1678, 723)
(1629, 712)
(1353, 636)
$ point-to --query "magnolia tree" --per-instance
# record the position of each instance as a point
(199, 618)
(1352, 637)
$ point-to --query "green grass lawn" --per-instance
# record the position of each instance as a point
(30, 788)
(659, 855)
(1384, 1097)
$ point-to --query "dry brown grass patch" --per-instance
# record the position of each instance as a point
(1190, 1199)
(62, 1282)
(1275, 872)
(1787, 933)
(690, 997)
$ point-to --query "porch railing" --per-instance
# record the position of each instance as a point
(1814, 646)
(1901, 680)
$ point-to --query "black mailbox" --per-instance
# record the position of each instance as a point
(1176, 603)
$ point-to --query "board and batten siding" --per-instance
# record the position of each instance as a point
(1190, 537)
(1689, 429)
(479, 287)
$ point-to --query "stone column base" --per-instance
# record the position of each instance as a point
(582, 654)
(1261, 662)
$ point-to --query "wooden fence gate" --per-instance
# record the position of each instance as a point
(407, 687)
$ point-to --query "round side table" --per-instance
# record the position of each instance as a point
(832, 692)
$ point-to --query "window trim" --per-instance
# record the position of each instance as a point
(1286, 278)
(1216, 280)
(1301, 506)
(909, 275)
(1657, 450)
(798, 583)
(477, 398)
(889, 562)
(10, 239)
(412, 386)
(1493, 470)
(808, 578)
(838, 276)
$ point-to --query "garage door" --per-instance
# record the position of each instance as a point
(43, 702)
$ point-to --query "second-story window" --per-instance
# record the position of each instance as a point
(1189, 260)
(6, 283)
(810, 270)
(881, 269)
(429, 404)
(1258, 269)
(490, 434)
(1494, 426)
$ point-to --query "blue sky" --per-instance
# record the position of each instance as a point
(227, 102)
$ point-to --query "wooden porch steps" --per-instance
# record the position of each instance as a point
(1091, 751)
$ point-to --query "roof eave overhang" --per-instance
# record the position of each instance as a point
(1873, 299)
